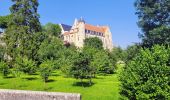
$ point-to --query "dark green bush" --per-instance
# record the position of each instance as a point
(4, 69)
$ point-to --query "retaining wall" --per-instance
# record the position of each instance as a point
(36, 95)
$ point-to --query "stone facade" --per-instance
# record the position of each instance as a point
(81, 30)
(36, 95)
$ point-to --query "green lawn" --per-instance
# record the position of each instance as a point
(104, 87)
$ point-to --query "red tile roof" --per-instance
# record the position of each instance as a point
(66, 33)
(95, 28)
(101, 29)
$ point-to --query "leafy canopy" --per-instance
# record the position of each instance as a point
(93, 42)
(52, 29)
(154, 21)
(146, 76)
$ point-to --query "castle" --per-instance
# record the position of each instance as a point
(80, 30)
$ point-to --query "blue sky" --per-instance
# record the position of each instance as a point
(119, 15)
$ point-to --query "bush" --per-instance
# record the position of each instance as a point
(46, 69)
(146, 76)
(25, 65)
(102, 63)
(4, 69)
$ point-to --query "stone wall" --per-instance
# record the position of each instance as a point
(37, 95)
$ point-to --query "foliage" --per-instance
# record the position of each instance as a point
(52, 29)
(46, 69)
(69, 54)
(50, 49)
(25, 65)
(93, 42)
(4, 21)
(158, 35)
(19, 36)
(25, 15)
(81, 69)
(118, 53)
(4, 68)
(15, 72)
(154, 21)
(2, 53)
(102, 63)
(131, 52)
(146, 76)
(37, 40)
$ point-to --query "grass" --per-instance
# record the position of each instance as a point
(104, 87)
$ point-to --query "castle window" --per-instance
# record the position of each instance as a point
(95, 33)
(102, 34)
(86, 31)
(90, 32)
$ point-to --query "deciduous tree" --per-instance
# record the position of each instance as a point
(93, 42)
(146, 76)
(52, 29)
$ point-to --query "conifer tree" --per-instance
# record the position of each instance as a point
(24, 25)
(154, 20)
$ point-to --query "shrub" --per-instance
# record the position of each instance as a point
(25, 65)
(4, 69)
(46, 69)
(102, 63)
(146, 76)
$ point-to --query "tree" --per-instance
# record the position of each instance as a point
(81, 69)
(4, 68)
(93, 42)
(117, 55)
(52, 29)
(22, 27)
(25, 14)
(50, 49)
(102, 63)
(4, 21)
(25, 65)
(46, 69)
(117, 52)
(153, 14)
(131, 52)
(146, 76)
(66, 61)
(159, 35)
